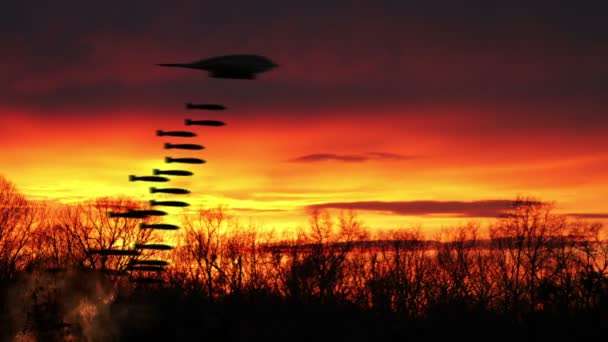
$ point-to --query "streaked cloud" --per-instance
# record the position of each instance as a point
(591, 216)
(350, 158)
(482, 208)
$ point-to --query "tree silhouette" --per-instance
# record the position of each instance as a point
(83, 229)
(536, 269)
(19, 220)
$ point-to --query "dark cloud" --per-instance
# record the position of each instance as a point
(539, 55)
(483, 208)
(389, 156)
(353, 158)
(318, 157)
(565, 19)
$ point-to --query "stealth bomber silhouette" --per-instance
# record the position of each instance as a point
(241, 66)
(230, 66)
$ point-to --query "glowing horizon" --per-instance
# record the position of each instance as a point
(268, 173)
(387, 107)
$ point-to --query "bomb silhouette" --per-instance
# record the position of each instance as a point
(229, 67)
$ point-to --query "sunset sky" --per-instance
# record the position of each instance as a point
(427, 113)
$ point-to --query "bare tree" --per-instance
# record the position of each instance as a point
(19, 220)
(455, 261)
(400, 274)
(201, 246)
(83, 229)
(317, 264)
(524, 238)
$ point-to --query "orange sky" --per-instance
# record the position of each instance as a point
(251, 166)
(409, 110)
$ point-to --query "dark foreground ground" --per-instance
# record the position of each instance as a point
(165, 314)
(278, 320)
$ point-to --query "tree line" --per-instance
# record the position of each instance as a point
(534, 261)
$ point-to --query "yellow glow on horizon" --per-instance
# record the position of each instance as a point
(250, 168)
